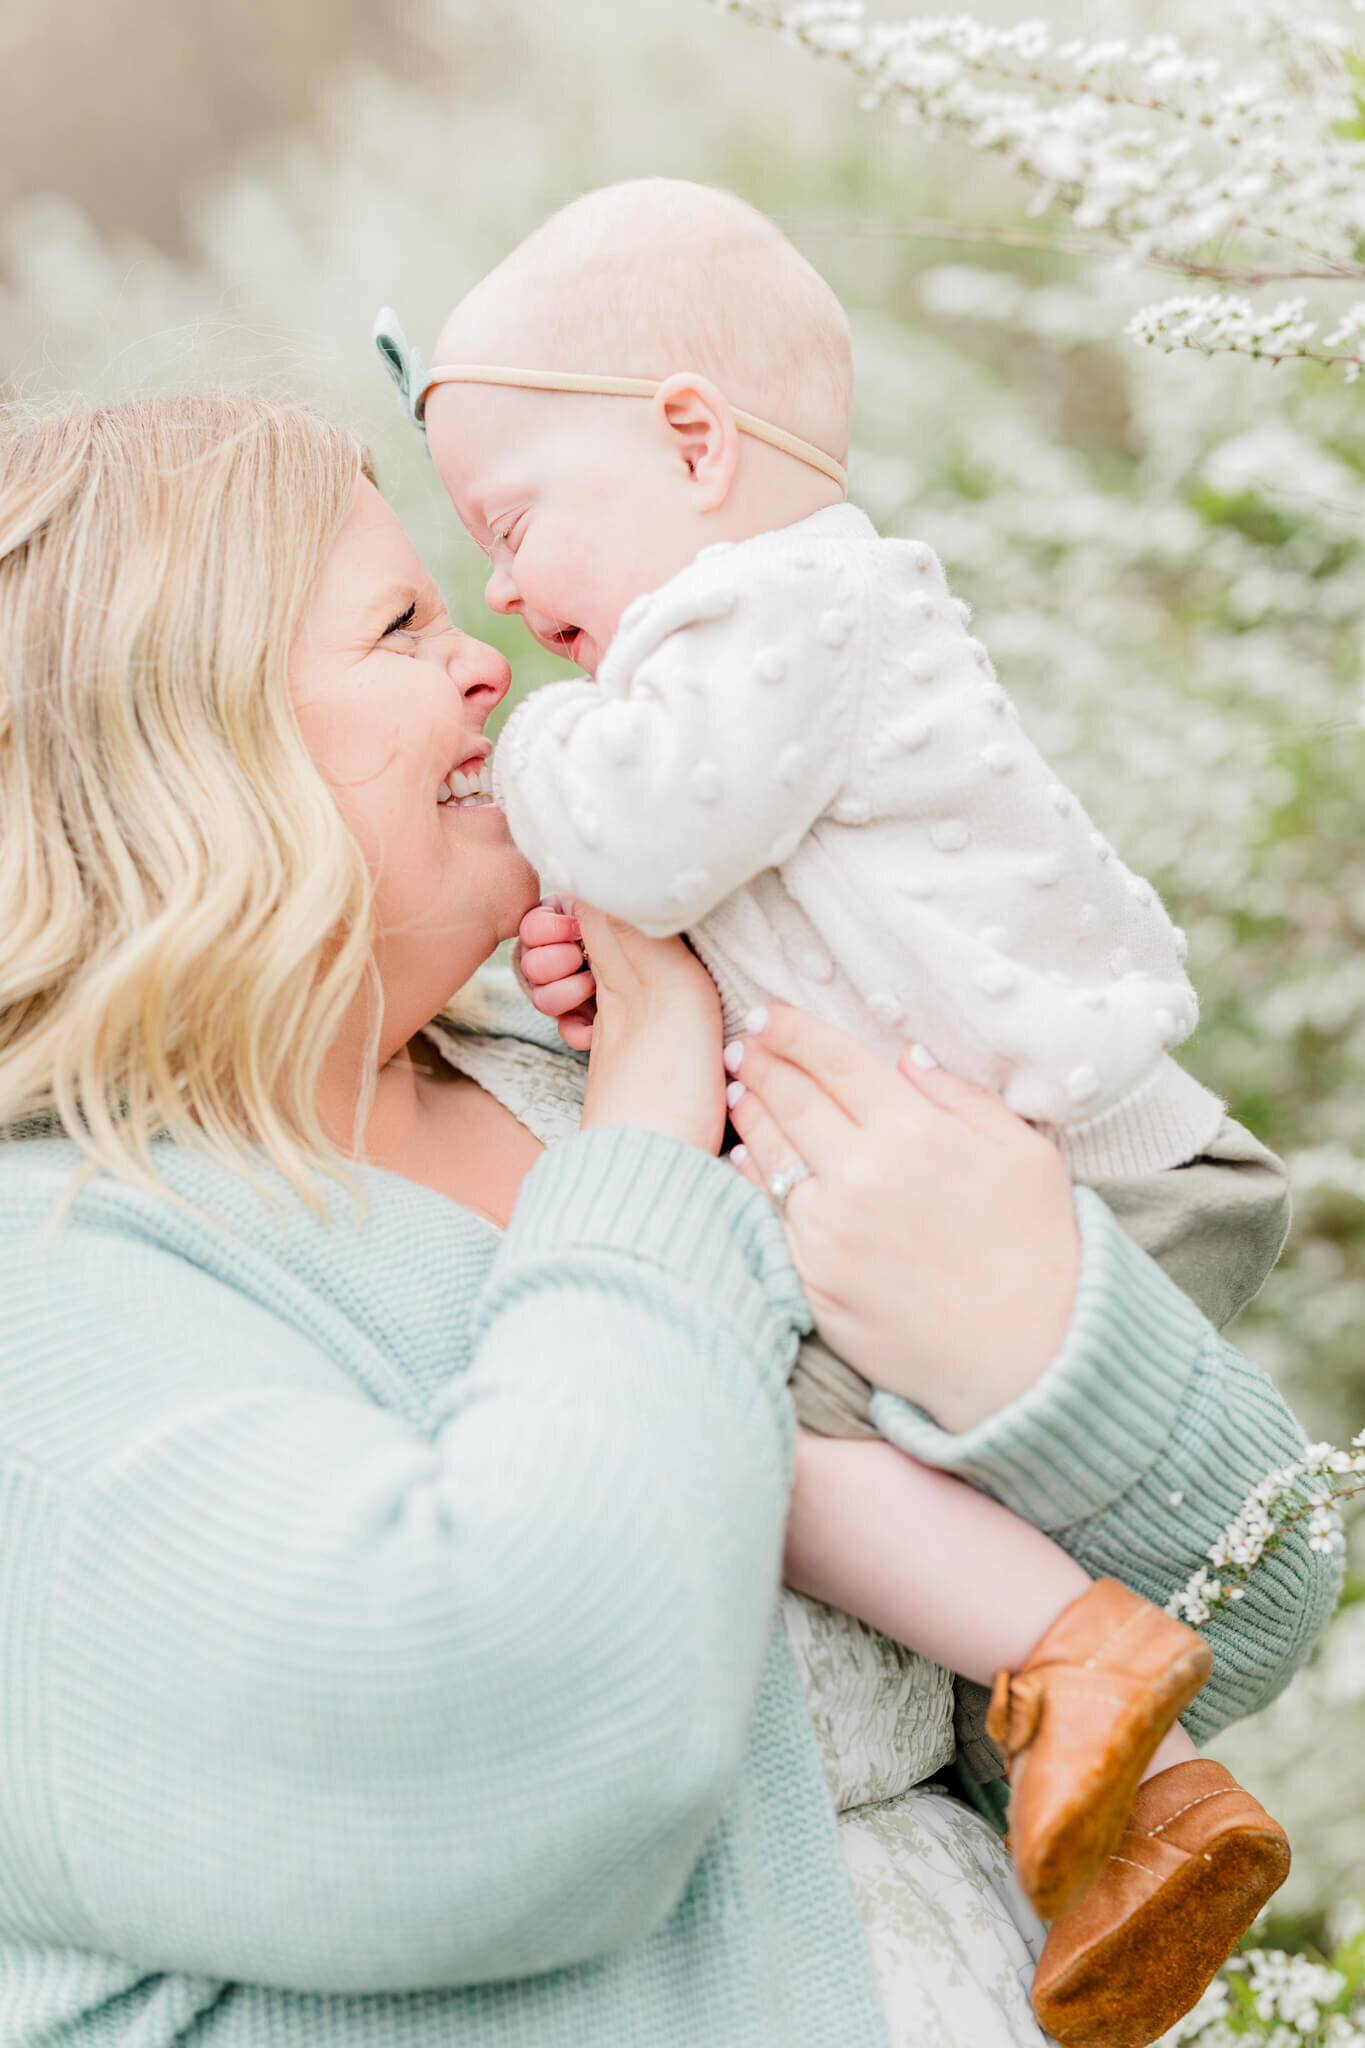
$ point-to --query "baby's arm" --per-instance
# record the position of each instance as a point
(713, 739)
(923, 1557)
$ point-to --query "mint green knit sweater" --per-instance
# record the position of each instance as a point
(387, 1609)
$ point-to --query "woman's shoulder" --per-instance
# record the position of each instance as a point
(123, 1305)
(357, 1274)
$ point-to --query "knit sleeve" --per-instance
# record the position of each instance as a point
(1134, 1450)
(328, 1701)
(713, 738)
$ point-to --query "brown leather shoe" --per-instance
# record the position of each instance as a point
(1079, 1724)
(1191, 1872)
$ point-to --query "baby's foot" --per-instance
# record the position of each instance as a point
(1079, 1723)
(1194, 1867)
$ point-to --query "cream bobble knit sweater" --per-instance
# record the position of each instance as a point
(796, 753)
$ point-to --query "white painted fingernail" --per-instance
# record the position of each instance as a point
(735, 1092)
(920, 1056)
(733, 1056)
(738, 1155)
(756, 1021)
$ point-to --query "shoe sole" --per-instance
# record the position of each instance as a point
(1066, 1863)
(1128, 1990)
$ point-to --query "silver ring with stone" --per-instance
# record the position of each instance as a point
(781, 1183)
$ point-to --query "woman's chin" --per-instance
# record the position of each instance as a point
(523, 891)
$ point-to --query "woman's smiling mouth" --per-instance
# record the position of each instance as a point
(469, 784)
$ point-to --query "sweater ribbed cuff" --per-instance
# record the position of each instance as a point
(657, 1201)
(1169, 1119)
(1102, 1412)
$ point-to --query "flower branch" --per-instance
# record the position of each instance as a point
(1310, 1490)
(1155, 148)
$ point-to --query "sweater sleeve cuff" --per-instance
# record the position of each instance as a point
(657, 1202)
(1102, 1412)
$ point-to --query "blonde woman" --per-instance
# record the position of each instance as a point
(393, 1477)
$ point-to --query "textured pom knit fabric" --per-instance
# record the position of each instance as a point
(387, 1606)
(796, 752)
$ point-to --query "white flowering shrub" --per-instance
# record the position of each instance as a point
(1288, 2000)
(1166, 553)
(1165, 146)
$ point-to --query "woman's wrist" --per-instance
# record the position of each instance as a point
(655, 1063)
(1069, 1441)
(1041, 1291)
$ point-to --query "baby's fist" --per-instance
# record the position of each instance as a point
(555, 970)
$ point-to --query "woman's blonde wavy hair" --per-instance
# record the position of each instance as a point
(184, 919)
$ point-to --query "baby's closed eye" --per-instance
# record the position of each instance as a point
(508, 532)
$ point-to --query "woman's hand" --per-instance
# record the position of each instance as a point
(655, 1063)
(936, 1237)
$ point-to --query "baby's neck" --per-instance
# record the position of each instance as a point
(770, 491)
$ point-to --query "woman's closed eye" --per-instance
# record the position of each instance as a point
(401, 623)
(407, 633)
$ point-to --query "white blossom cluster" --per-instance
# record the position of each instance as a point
(1267, 1995)
(1236, 152)
(1305, 1491)
(1228, 323)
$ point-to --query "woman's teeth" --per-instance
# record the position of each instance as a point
(462, 790)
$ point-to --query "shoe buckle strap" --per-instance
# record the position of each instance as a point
(1015, 1708)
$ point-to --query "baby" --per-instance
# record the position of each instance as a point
(791, 748)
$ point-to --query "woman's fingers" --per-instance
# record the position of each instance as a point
(767, 1092)
(977, 1106)
(850, 1073)
(764, 1148)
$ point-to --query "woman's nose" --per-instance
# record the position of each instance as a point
(480, 673)
(500, 592)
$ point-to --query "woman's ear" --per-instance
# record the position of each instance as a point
(699, 426)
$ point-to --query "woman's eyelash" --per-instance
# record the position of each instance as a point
(404, 619)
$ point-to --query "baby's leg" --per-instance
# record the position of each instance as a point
(929, 1560)
(1148, 1890)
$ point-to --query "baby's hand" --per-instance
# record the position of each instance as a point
(555, 965)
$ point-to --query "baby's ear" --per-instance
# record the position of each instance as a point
(699, 425)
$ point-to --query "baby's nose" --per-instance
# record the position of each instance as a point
(500, 592)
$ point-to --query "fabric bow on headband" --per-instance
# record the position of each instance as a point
(403, 364)
(413, 383)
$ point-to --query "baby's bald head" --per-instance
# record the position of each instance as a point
(657, 275)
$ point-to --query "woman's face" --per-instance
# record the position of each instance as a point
(392, 701)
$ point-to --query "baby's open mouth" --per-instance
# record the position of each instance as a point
(469, 784)
(564, 642)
